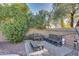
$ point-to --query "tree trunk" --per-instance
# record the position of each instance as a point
(49, 22)
(72, 20)
(62, 23)
(72, 16)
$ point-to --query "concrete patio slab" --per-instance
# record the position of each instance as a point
(55, 50)
(50, 50)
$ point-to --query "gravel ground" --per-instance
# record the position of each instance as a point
(8, 48)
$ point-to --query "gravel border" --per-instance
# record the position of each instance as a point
(8, 48)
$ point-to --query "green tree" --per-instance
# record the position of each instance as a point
(43, 15)
(38, 20)
(14, 22)
(61, 10)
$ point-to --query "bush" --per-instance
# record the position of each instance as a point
(15, 31)
(14, 21)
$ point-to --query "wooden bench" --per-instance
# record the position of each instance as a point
(36, 37)
(55, 39)
(36, 45)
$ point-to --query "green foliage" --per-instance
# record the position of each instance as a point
(60, 11)
(15, 32)
(14, 23)
(38, 20)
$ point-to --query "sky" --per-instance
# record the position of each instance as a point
(35, 7)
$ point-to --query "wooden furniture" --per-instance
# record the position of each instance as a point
(55, 39)
(36, 37)
(36, 45)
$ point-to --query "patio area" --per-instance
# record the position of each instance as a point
(49, 49)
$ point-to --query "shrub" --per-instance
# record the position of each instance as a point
(14, 23)
(15, 31)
